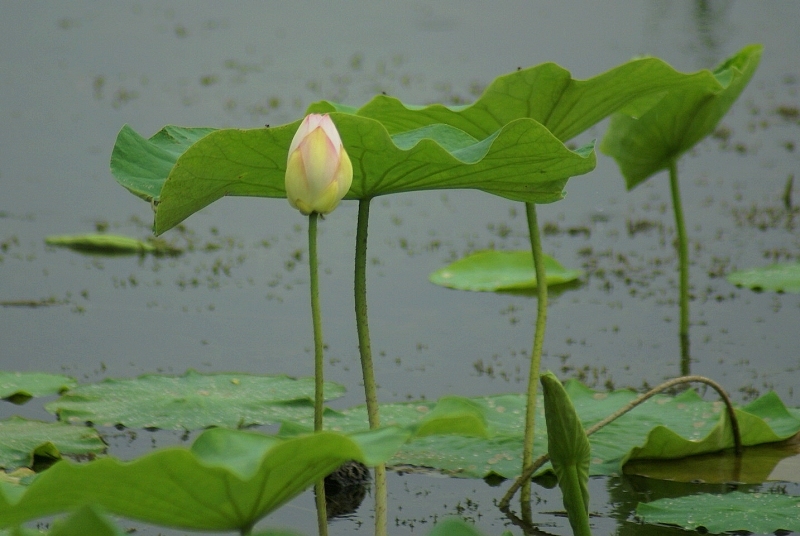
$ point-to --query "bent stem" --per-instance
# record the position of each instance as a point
(536, 353)
(319, 394)
(364, 348)
(683, 261)
(731, 412)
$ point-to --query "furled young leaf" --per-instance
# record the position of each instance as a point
(191, 401)
(228, 480)
(493, 270)
(776, 277)
(646, 138)
(662, 428)
(19, 387)
(569, 452)
(22, 439)
(520, 161)
(760, 513)
(546, 93)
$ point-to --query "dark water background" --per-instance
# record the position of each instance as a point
(71, 74)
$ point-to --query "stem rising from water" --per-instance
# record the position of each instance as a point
(365, 349)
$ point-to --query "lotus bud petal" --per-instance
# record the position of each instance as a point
(318, 171)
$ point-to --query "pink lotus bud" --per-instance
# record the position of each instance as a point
(318, 172)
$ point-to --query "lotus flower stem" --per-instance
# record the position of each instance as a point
(319, 367)
(683, 260)
(365, 349)
(731, 412)
(536, 353)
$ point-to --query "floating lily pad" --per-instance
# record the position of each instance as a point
(22, 440)
(776, 277)
(760, 513)
(19, 387)
(227, 481)
(493, 270)
(771, 462)
(191, 401)
(108, 244)
(664, 427)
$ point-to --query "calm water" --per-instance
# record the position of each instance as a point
(72, 75)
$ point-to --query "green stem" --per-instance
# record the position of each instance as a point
(364, 348)
(683, 260)
(319, 370)
(536, 353)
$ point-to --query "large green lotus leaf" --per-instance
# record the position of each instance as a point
(493, 270)
(644, 141)
(228, 480)
(521, 161)
(759, 513)
(546, 93)
(142, 165)
(21, 440)
(22, 386)
(664, 427)
(191, 401)
(776, 277)
(569, 452)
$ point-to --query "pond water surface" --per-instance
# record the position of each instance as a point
(74, 73)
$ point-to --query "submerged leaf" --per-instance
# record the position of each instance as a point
(191, 401)
(644, 139)
(228, 480)
(776, 277)
(760, 513)
(21, 440)
(493, 270)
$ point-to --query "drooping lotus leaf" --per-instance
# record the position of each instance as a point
(228, 480)
(759, 513)
(662, 428)
(191, 401)
(493, 270)
(21, 440)
(520, 161)
(644, 139)
(21, 386)
(569, 452)
(776, 277)
(141, 165)
(546, 93)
